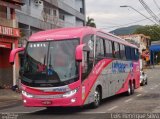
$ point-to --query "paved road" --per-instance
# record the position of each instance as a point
(146, 99)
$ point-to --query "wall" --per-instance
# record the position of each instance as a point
(78, 5)
(36, 10)
(26, 7)
(71, 3)
(70, 21)
(30, 8)
(79, 23)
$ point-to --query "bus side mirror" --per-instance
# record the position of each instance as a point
(79, 52)
(13, 54)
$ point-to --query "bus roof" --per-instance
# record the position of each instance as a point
(74, 32)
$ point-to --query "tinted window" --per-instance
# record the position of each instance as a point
(89, 41)
(50, 63)
(116, 50)
(88, 56)
(133, 54)
(122, 52)
(136, 54)
(99, 47)
(108, 45)
(128, 52)
(62, 58)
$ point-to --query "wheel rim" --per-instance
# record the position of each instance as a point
(96, 97)
(132, 87)
(129, 89)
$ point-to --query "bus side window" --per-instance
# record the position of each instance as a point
(136, 54)
(116, 50)
(128, 52)
(100, 51)
(122, 52)
(133, 54)
(108, 48)
(88, 56)
(85, 62)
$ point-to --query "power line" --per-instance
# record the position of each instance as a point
(126, 23)
(157, 33)
(139, 13)
(156, 4)
(147, 8)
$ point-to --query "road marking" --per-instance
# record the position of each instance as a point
(23, 112)
(139, 95)
(128, 100)
(151, 88)
(92, 112)
(156, 86)
(16, 112)
(112, 108)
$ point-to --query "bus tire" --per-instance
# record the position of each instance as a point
(132, 88)
(129, 90)
(146, 81)
(49, 108)
(97, 98)
(143, 83)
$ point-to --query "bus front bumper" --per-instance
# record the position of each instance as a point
(45, 101)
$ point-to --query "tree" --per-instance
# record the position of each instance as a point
(149, 30)
(90, 22)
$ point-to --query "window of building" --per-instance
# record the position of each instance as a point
(62, 17)
(55, 12)
(47, 11)
(81, 10)
(3, 12)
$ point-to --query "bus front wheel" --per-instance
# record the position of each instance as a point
(97, 98)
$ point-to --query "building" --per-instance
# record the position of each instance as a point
(9, 35)
(37, 15)
(142, 41)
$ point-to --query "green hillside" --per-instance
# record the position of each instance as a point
(125, 30)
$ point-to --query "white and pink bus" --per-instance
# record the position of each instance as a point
(75, 67)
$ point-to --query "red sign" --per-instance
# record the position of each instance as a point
(5, 45)
(9, 31)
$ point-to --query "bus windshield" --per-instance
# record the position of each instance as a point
(50, 63)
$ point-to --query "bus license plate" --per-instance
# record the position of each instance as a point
(46, 102)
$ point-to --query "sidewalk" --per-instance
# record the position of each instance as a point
(9, 98)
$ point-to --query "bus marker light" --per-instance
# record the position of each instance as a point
(73, 100)
(24, 101)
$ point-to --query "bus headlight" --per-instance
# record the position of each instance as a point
(70, 93)
(27, 94)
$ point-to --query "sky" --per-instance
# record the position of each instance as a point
(108, 14)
